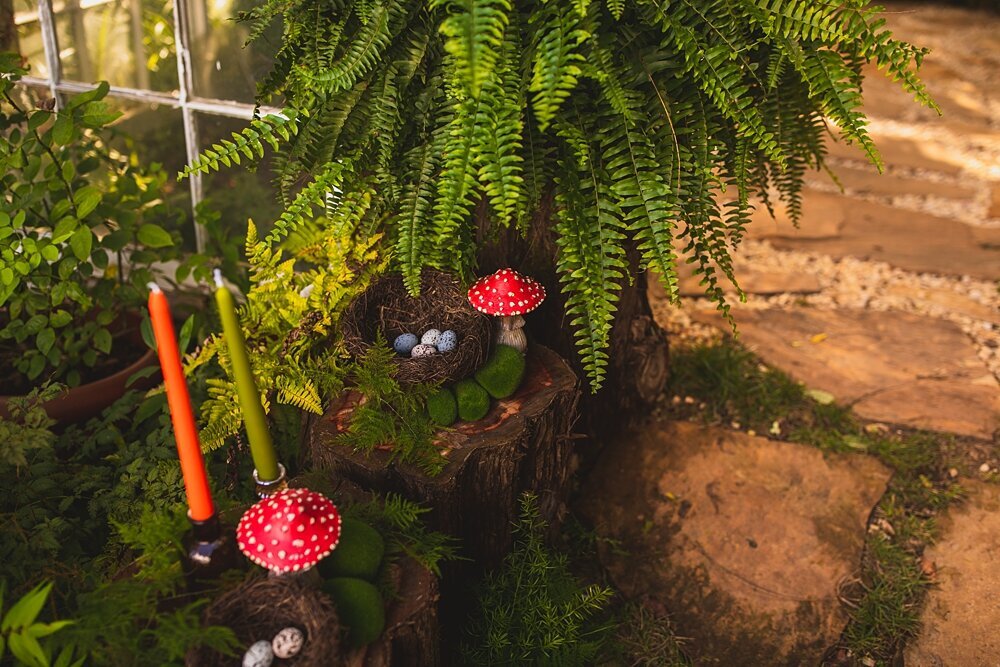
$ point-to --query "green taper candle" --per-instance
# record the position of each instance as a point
(261, 447)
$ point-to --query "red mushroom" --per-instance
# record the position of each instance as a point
(290, 531)
(508, 295)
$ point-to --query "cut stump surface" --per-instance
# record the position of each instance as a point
(523, 444)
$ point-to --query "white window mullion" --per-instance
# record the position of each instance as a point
(50, 43)
(186, 85)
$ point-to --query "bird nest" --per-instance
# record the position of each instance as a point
(261, 608)
(387, 307)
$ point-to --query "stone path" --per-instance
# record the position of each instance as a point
(887, 297)
(746, 540)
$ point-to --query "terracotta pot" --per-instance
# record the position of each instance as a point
(78, 404)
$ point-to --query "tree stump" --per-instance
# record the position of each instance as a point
(523, 444)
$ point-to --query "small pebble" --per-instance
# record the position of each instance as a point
(288, 643)
(430, 337)
(259, 654)
(447, 341)
(404, 344)
(423, 351)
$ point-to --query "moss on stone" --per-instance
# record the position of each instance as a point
(473, 400)
(358, 554)
(442, 408)
(359, 606)
(503, 373)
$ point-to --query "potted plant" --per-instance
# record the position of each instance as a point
(82, 228)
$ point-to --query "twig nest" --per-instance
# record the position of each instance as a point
(423, 350)
(387, 308)
(430, 337)
(287, 643)
(259, 654)
(447, 341)
(405, 343)
(264, 606)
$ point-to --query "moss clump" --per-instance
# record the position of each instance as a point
(359, 606)
(473, 401)
(442, 408)
(502, 374)
(358, 554)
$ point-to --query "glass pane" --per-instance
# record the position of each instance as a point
(222, 68)
(128, 43)
(28, 36)
(154, 133)
(235, 192)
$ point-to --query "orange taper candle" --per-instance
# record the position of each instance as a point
(199, 496)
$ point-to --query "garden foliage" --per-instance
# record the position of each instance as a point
(81, 226)
(646, 123)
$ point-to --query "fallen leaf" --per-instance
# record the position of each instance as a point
(818, 338)
(820, 396)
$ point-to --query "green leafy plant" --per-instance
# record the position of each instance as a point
(401, 522)
(299, 284)
(389, 414)
(20, 631)
(533, 611)
(630, 124)
(81, 229)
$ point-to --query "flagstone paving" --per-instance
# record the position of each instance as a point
(885, 296)
(746, 540)
(901, 368)
(962, 613)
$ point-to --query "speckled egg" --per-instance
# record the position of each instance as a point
(405, 343)
(259, 654)
(448, 341)
(423, 351)
(430, 337)
(288, 643)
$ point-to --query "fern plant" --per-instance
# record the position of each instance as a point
(299, 284)
(653, 124)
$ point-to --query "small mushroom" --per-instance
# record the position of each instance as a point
(508, 295)
(289, 531)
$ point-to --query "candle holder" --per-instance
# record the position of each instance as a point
(209, 550)
(265, 488)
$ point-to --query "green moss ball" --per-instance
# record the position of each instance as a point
(502, 374)
(442, 408)
(359, 606)
(473, 401)
(358, 554)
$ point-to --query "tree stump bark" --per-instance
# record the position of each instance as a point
(411, 635)
(523, 444)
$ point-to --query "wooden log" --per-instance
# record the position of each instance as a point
(523, 444)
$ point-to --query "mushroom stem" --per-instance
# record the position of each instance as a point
(510, 332)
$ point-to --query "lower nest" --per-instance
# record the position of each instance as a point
(387, 307)
(262, 607)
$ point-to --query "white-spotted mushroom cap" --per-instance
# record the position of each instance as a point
(506, 292)
(290, 531)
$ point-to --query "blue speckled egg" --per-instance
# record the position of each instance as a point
(259, 654)
(448, 341)
(430, 337)
(423, 351)
(404, 344)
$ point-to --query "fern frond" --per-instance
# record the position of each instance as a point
(249, 143)
(556, 60)
(473, 34)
